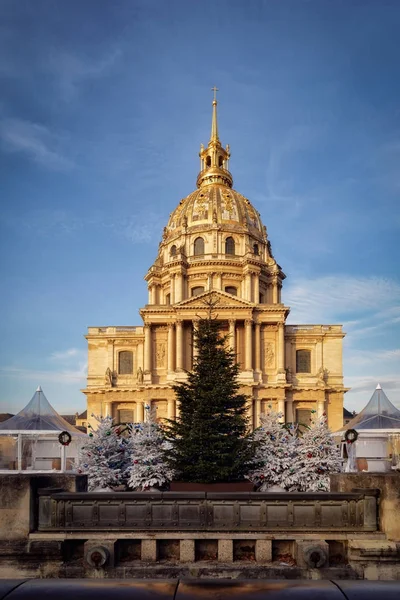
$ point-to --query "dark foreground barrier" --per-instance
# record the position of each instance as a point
(92, 589)
(205, 511)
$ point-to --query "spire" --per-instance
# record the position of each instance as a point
(214, 160)
(214, 123)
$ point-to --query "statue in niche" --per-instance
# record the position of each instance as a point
(322, 374)
(160, 354)
(269, 355)
(108, 378)
(289, 375)
(139, 375)
(214, 217)
(185, 221)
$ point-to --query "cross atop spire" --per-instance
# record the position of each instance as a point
(214, 124)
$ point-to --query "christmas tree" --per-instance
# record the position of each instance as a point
(277, 453)
(148, 467)
(319, 456)
(209, 441)
(104, 457)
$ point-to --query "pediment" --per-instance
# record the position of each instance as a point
(222, 300)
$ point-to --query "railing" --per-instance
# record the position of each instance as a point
(313, 329)
(177, 511)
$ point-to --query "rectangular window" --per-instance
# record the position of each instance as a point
(125, 362)
(126, 416)
(303, 361)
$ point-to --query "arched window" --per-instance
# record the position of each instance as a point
(256, 250)
(173, 250)
(229, 245)
(125, 362)
(230, 289)
(303, 361)
(199, 289)
(208, 161)
(198, 246)
(220, 161)
(167, 298)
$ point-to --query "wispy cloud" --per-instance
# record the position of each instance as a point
(66, 354)
(39, 376)
(72, 70)
(67, 366)
(373, 357)
(340, 297)
(35, 141)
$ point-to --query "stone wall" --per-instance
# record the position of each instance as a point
(389, 503)
(18, 500)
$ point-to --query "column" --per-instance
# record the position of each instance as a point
(289, 411)
(150, 291)
(281, 348)
(147, 348)
(178, 287)
(171, 408)
(232, 335)
(139, 412)
(183, 287)
(172, 292)
(219, 281)
(210, 281)
(111, 354)
(248, 345)
(281, 409)
(248, 287)
(171, 349)
(177, 409)
(320, 408)
(258, 346)
(194, 345)
(275, 290)
(257, 412)
(256, 288)
(179, 346)
(107, 409)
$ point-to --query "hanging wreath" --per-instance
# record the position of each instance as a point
(64, 438)
(351, 436)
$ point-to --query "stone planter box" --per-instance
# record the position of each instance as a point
(234, 486)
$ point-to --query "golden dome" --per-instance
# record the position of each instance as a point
(215, 204)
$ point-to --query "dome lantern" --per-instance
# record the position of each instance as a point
(214, 160)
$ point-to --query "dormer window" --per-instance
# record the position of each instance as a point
(196, 291)
(198, 246)
(230, 289)
(256, 249)
(230, 246)
(173, 250)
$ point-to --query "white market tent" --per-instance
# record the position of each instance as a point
(378, 428)
(29, 441)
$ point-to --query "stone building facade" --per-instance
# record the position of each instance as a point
(215, 244)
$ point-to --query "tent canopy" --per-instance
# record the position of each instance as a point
(379, 413)
(38, 415)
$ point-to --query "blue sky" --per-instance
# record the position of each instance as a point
(102, 111)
